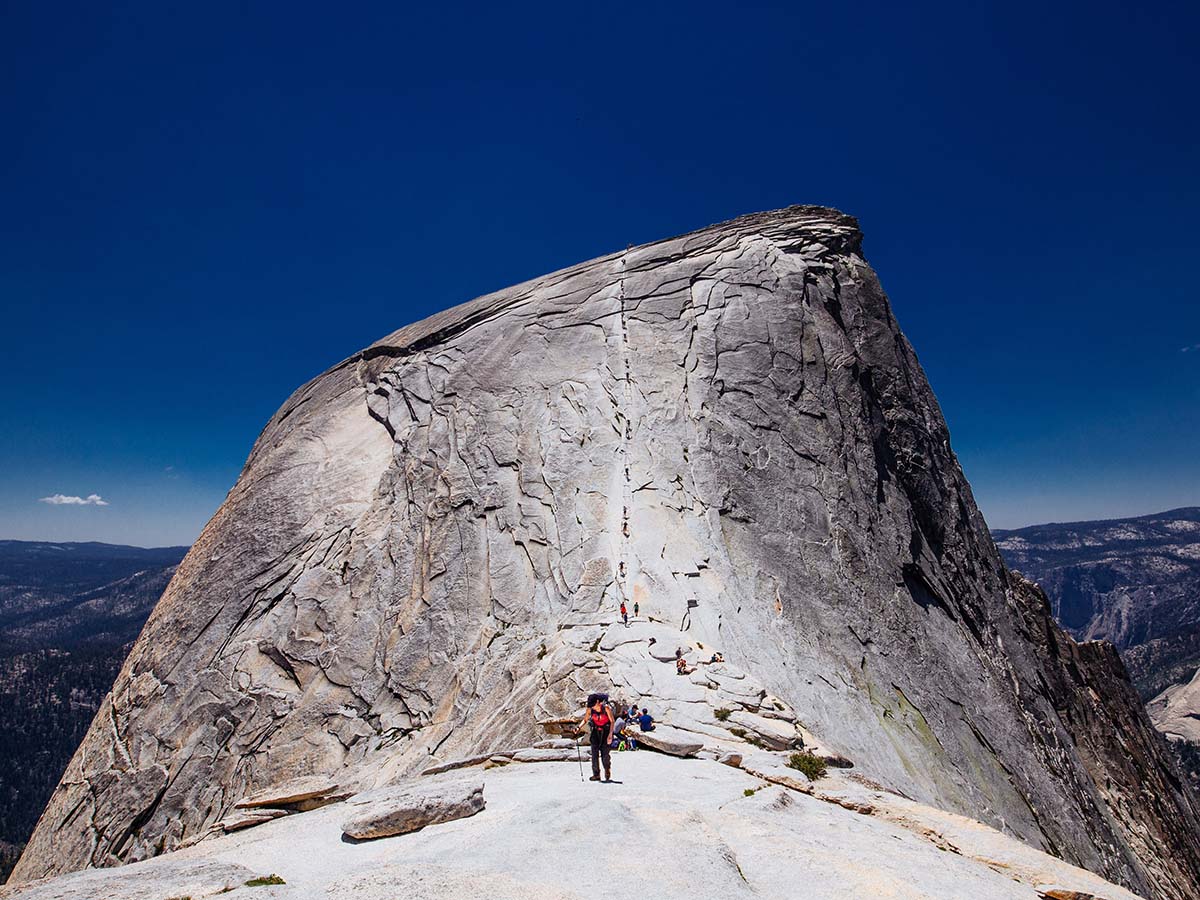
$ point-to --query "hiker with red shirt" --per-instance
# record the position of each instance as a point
(624, 614)
(599, 723)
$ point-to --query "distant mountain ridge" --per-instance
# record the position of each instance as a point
(68, 613)
(1132, 581)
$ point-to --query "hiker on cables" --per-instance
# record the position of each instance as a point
(599, 724)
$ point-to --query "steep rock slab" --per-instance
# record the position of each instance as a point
(429, 542)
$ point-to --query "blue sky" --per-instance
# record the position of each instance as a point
(206, 205)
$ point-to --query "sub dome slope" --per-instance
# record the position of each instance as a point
(727, 427)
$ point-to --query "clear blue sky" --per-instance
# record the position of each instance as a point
(204, 205)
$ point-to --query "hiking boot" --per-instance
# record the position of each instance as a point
(594, 778)
(608, 776)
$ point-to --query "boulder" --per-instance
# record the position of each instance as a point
(670, 740)
(554, 744)
(412, 806)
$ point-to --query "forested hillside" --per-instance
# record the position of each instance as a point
(68, 614)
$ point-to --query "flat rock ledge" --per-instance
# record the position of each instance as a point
(554, 744)
(410, 807)
(468, 761)
(248, 819)
(295, 792)
(547, 754)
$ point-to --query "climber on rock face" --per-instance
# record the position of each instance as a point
(599, 723)
(624, 614)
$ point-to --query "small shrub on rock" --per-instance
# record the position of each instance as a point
(808, 763)
(265, 880)
(722, 714)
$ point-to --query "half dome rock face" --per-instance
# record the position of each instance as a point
(425, 556)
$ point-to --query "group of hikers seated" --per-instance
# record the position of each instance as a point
(682, 667)
(624, 735)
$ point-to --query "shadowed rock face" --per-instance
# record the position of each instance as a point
(426, 550)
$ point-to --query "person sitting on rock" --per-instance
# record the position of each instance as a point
(681, 666)
(618, 729)
(645, 720)
(623, 736)
(717, 658)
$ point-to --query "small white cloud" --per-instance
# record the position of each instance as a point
(1190, 348)
(64, 500)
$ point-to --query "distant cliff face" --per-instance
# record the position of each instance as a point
(1135, 582)
(728, 428)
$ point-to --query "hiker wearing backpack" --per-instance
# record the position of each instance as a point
(599, 724)
(624, 614)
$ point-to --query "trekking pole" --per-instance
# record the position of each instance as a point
(579, 756)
